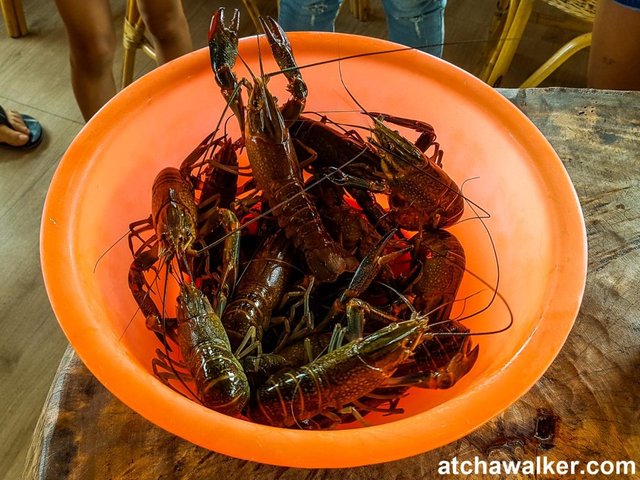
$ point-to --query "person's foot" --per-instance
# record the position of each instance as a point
(16, 133)
(19, 131)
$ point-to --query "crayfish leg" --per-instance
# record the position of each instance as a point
(358, 312)
(230, 252)
(362, 278)
(427, 132)
(135, 231)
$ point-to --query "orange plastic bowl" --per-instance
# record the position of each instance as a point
(104, 182)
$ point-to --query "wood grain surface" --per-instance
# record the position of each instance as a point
(585, 407)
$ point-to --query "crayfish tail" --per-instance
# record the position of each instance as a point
(226, 393)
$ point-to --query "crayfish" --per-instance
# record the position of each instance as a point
(304, 300)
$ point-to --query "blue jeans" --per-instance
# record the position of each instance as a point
(635, 4)
(415, 23)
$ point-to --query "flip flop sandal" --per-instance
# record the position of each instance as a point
(35, 131)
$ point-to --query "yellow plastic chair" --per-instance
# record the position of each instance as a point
(14, 19)
(511, 20)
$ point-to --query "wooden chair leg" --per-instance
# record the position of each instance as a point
(132, 39)
(360, 9)
(14, 19)
(128, 63)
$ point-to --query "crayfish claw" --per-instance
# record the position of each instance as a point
(279, 44)
(459, 366)
(223, 47)
(223, 51)
(446, 377)
(283, 54)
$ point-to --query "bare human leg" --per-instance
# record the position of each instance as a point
(167, 26)
(92, 44)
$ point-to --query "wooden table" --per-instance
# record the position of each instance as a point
(586, 406)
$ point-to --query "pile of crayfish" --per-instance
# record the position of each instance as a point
(318, 289)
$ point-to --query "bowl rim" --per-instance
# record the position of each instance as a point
(296, 448)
